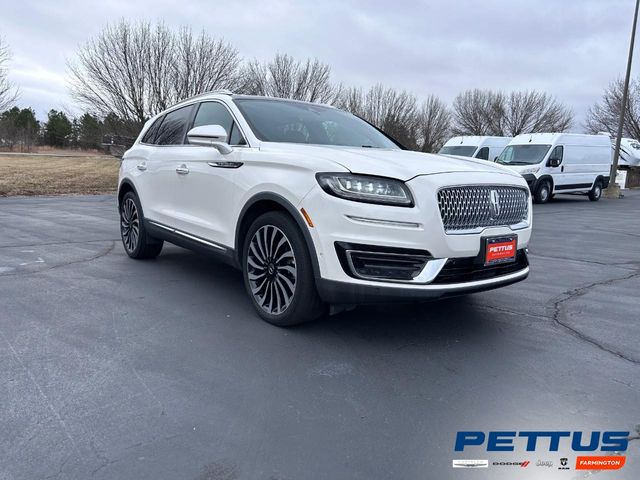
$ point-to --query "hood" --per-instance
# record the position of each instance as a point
(400, 164)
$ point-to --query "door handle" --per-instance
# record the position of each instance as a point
(182, 170)
(562, 168)
(225, 164)
(141, 166)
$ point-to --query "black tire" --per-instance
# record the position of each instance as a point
(543, 192)
(596, 192)
(136, 240)
(277, 271)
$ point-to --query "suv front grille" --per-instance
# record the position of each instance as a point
(472, 207)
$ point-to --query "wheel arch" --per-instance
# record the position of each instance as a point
(268, 202)
(125, 186)
(601, 179)
(547, 178)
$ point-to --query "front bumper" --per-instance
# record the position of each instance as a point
(418, 229)
(336, 292)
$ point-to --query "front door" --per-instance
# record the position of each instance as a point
(204, 190)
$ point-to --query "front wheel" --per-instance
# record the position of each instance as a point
(596, 192)
(278, 273)
(543, 192)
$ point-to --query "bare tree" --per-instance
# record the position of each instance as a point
(286, 77)
(475, 112)
(133, 71)
(434, 123)
(486, 112)
(8, 93)
(532, 111)
(604, 115)
(394, 112)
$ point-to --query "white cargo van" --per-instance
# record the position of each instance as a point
(560, 163)
(483, 147)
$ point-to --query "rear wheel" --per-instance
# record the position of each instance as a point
(596, 191)
(278, 273)
(136, 241)
(543, 192)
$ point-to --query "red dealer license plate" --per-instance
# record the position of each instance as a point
(500, 250)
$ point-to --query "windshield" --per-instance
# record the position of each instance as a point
(523, 154)
(297, 122)
(461, 150)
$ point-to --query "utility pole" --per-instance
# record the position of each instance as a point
(613, 191)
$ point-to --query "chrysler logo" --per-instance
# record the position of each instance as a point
(495, 204)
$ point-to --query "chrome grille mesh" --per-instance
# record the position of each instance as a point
(470, 207)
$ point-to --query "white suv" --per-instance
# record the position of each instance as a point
(318, 207)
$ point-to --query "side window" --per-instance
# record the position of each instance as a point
(214, 113)
(236, 137)
(150, 134)
(483, 153)
(558, 152)
(173, 128)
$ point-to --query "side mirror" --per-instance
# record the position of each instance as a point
(495, 159)
(554, 162)
(210, 136)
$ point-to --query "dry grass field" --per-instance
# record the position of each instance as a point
(52, 175)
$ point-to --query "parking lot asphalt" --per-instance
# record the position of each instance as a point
(114, 368)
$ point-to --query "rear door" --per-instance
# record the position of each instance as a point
(168, 154)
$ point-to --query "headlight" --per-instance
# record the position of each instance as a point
(364, 188)
(526, 171)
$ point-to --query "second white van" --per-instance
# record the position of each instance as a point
(482, 147)
(560, 163)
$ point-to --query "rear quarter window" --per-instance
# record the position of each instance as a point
(150, 134)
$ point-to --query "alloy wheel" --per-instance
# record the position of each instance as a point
(271, 269)
(130, 224)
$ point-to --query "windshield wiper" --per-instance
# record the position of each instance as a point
(368, 146)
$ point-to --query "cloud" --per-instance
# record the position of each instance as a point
(572, 49)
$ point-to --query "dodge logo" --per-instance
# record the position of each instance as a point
(495, 204)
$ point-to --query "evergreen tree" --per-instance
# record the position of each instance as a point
(58, 129)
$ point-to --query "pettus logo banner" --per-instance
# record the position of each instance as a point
(500, 250)
(470, 464)
(600, 462)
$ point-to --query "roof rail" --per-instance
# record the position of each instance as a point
(221, 91)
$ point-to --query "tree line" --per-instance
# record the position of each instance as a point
(21, 131)
(131, 71)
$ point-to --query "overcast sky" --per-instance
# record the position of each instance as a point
(570, 48)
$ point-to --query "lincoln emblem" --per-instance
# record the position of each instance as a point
(495, 203)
